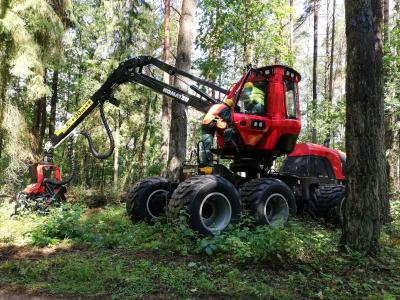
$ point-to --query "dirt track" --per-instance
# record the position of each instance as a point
(16, 294)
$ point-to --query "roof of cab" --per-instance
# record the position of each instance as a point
(312, 149)
(285, 67)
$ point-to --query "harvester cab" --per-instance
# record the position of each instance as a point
(265, 119)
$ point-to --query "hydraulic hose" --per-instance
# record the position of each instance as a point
(109, 134)
(72, 161)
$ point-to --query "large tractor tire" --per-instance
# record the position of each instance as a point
(147, 199)
(327, 201)
(269, 200)
(212, 203)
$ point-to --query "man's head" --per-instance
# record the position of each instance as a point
(229, 102)
(248, 84)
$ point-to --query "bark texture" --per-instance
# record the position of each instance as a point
(315, 61)
(389, 125)
(39, 122)
(385, 10)
(53, 103)
(165, 101)
(178, 132)
(364, 126)
(117, 138)
(332, 55)
(291, 26)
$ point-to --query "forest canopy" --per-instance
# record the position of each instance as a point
(55, 54)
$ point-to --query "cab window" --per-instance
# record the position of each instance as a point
(252, 98)
(291, 99)
(321, 167)
(297, 165)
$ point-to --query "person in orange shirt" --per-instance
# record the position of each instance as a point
(217, 117)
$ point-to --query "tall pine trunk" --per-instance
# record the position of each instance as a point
(385, 10)
(389, 125)
(364, 126)
(178, 132)
(39, 121)
(165, 100)
(332, 54)
(53, 103)
(327, 51)
(291, 25)
(116, 152)
(147, 113)
(314, 78)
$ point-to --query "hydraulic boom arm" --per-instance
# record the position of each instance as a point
(132, 71)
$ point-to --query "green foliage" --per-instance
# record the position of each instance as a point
(108, 228)
(59, 225)
(266, 244)
(235, 33)
(99, 252)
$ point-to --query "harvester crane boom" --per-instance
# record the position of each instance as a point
(131, 70)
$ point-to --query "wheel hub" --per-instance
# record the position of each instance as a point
(156, 202)
(215, 212)
(276, 210)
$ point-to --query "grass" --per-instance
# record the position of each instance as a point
(99, 252)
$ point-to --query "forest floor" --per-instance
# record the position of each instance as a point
(81, 253)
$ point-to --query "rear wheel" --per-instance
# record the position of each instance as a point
(147, 199)
(269, 200)
(212, 203)
(328, 202)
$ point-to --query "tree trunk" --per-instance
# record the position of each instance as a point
(165, 100)
(246, 41)
(43, 119)
(194, 130)
(116, 152)
(53, 103)
(366, 170)
(39, 121)
(327, 51)
(291, 27)
(144, 137)
(36, 126)
(315, 61)
(385, 210)
(385, 10)
(178, 132)
(36, 123)
(80, 71)
(6, 49)
(85, 170)
(330, 93)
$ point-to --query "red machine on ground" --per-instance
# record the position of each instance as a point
(214, 194)
(40, 194)
(46, 186)
(323, 170)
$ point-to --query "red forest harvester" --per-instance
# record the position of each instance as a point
(212, 194)
(46, 186)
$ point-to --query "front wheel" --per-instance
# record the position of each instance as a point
(269, 200)
(211, 202)
(147, 199)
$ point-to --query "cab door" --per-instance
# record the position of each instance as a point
(249, 116)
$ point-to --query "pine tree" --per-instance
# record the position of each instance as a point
(178, 132)
(364, 126)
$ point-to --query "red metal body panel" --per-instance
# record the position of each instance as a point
(38, 187)
(276, 122)
(332, 155)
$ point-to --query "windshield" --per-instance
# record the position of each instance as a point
(252, 98)
(291, 99)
